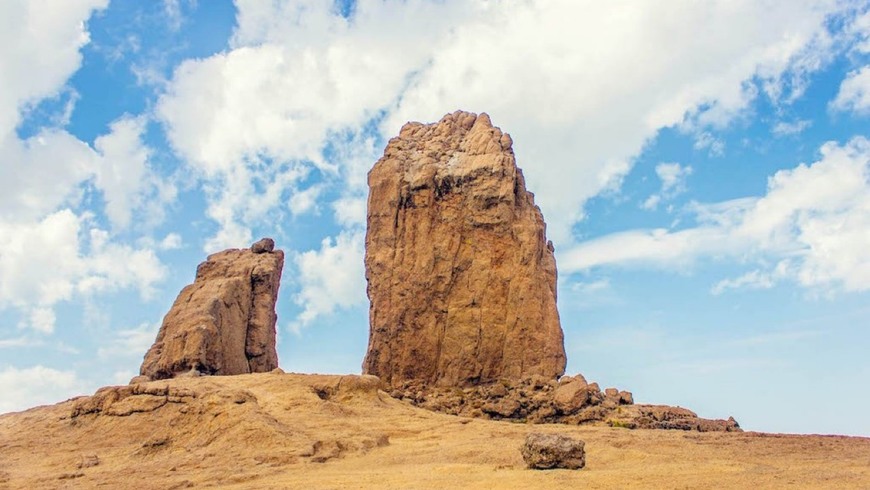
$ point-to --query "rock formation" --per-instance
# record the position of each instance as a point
(570, 400)
(223, 323)
(461, 277)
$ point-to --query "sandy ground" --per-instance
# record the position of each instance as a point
(331, 432)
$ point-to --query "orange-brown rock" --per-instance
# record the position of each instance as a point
(461, 277)
(223, 323)
(571, 401)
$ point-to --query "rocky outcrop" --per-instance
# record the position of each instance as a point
(571, 400)
(223, 323)
(461, 277)
(552, 451)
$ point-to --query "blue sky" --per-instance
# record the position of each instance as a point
(703, 167)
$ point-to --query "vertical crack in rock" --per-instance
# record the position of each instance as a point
(223, 323)
(461, 277)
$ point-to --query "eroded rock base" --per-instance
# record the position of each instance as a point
(571, 400)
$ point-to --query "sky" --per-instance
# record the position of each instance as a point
(703, 168)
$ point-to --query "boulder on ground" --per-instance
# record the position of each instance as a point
(550, 451)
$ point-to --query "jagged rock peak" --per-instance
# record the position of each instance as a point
(461, 277)
(223, 323)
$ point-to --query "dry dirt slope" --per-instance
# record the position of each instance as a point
(279, 430)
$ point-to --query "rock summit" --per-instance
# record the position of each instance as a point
(223, 323)
(461, 276)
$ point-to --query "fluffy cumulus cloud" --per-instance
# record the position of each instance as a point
(37, 385)
(255, 121)
(581, 85)
(124, 176)
(289, 115)
(854, 94)
(53, 259)
(43, 42)
(811, 227)
(330, 278)
(50, 248)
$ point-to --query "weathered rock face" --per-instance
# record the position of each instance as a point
(223, 323)
(461, 277)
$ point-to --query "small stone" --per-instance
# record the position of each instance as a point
(551, 451)
(263, 245)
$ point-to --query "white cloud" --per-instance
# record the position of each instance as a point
(705, 140)
(111, 266)
(39, 50)
(48, 171)
(860, 29)
(131, 343)
(305, 201)
(48, 252)
(854, 94)
(175, 16)
(813, 223)
(350, 211)
(298, 77)
(46, 262)
(332, 277)
(42, 319)
(581, 85)
(37, 385)
(756, 279)
(783, 128)
(172, 241)
(673, 177)
(42, 173)
(123, 173)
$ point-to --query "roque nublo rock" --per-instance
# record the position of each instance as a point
(461, 276)
(223, 323)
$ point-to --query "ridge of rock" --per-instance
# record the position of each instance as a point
(223, 323)
(571, 400)
(461, 277)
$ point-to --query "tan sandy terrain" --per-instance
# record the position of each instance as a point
(278, 430)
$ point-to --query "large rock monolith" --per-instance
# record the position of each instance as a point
(223, 323)
(461, 276)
